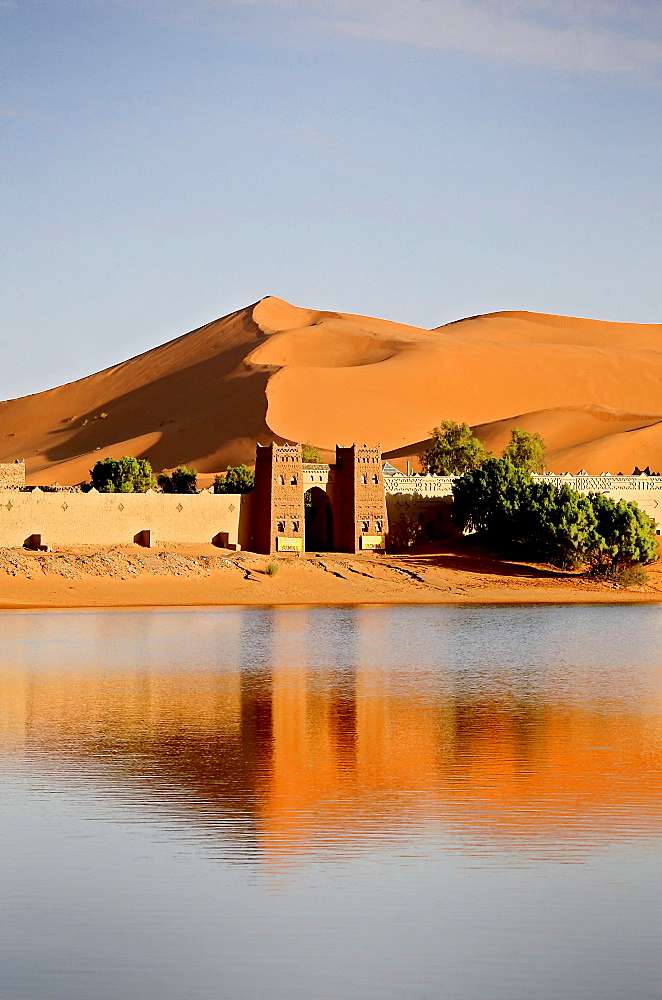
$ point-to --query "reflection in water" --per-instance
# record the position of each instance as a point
(331, 804)
(326, 730)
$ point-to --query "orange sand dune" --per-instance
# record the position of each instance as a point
(577, 435)
(276, 371)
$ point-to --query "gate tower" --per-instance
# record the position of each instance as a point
(278, 513)
(360, 500)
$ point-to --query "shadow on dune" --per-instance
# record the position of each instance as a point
(203, 410)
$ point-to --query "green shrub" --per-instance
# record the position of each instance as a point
(309, 453)
(625, 576)
(625, 535)
(526, 451)
(272, 568)
(514, 513)
(403, 533)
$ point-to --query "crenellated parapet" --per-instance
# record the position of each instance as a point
(423, 485)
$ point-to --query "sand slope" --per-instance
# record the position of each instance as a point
(276, 371)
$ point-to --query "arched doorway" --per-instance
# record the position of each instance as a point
(319, 521)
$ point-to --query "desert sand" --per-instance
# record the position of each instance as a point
(128, 576)
(274, 371)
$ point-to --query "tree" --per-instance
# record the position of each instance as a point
(238, 479)
(123, 475)
(561, 524)
(512, 511)
(181, 480)
(454, 449)
(624, 536)
(525, 451)
(489, 500)
(309, 453)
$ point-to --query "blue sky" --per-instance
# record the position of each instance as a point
(168, 161)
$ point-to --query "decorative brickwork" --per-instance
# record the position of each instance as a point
(12, 475)
(360, 502)
(413, 498)
(349, 505)
(278, 499)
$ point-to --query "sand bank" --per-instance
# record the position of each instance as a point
(202, 576)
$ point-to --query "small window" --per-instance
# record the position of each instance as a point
(378, 526)
(281, 480)
(295, 526)
(281, 527)
(364, 479)
(365, 527)
(375, 480)
(293, 481)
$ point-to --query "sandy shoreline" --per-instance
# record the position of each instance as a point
(201, 576)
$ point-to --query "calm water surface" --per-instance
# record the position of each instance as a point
(316, 804)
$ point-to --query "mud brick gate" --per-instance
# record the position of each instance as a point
(314, 506)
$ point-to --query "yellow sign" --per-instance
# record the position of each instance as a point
(289, 544)
(372, 541)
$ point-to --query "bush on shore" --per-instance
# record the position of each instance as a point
(515, 514)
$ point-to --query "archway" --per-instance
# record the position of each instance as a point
(319, 521)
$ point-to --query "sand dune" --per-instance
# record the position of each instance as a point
(575, 435)
(277, 371)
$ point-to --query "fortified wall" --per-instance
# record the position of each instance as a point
(422, 498)
(346, 507)
(64, 518)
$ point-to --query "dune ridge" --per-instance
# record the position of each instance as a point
(274, 371)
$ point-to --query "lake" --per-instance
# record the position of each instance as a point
(325, 803)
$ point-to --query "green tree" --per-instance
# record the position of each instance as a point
(624, 536)
(180, 480)
(123, 475)
(525, 451)
(454, 449)
(512, 511)
(238, 479)
(558, 526)
(489, 500)
(309, 453)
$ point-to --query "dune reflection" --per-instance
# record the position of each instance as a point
(299, 739)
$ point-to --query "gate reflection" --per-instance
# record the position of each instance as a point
(305, 734)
